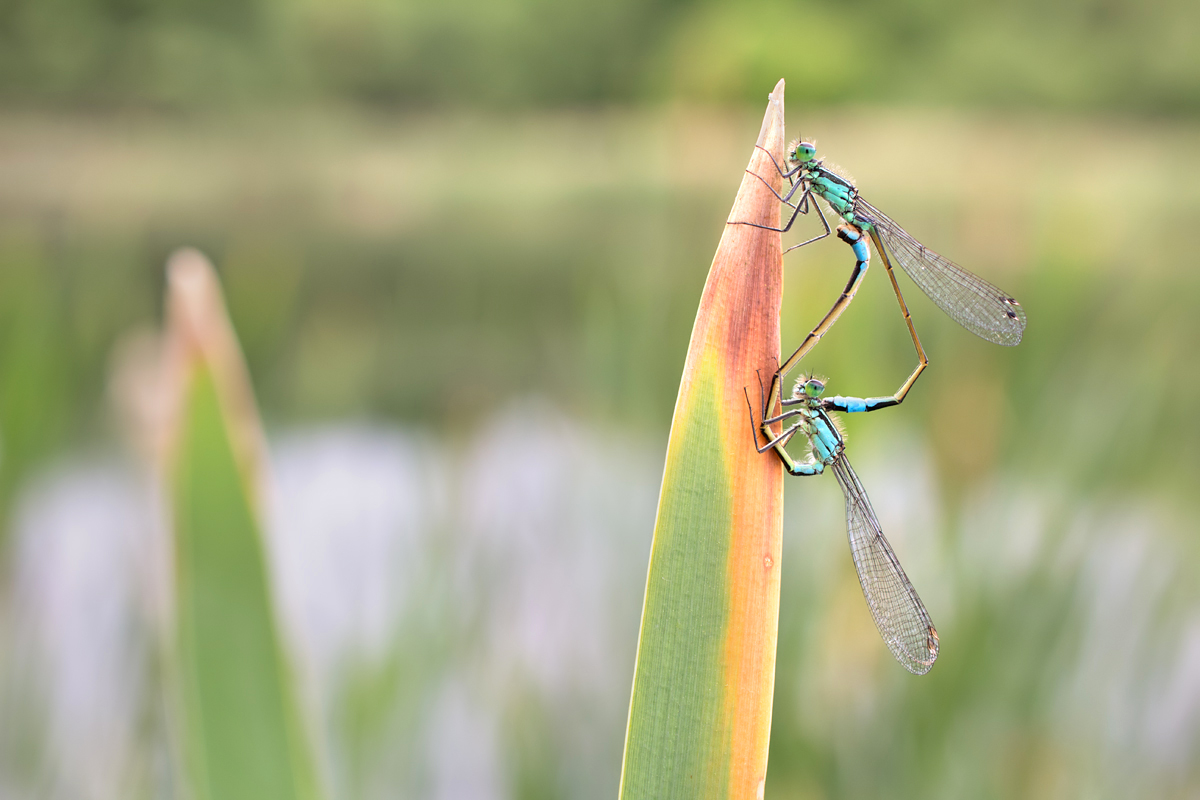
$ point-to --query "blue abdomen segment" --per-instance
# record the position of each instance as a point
(851, 405)
(860, 250)
(856, 405)
(857, 242)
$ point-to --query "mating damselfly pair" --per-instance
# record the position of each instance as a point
(971, 301)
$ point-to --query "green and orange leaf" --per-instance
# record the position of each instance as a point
(700, 715)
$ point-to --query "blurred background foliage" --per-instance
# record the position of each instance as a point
(462, 244)
(1095, 54)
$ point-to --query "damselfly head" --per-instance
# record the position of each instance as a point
(801, 152)
(809, 386)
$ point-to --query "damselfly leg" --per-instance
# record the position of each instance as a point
(858, 243)
(801, 206)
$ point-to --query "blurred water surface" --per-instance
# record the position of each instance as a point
(466, 330)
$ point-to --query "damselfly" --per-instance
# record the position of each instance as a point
(898, 612)
(968, 299)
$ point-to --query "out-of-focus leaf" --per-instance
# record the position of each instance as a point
(243, 734)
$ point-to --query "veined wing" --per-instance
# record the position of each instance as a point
(899, 614)
(968, 299)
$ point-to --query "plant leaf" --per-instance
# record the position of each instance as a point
(243, 735)
(700, 715)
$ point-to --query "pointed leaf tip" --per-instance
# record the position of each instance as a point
(194, 301)
(199, 334)
(773, 125)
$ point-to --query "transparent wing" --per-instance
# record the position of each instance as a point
(899, 614)
(968, 299)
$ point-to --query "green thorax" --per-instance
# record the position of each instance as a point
(836, 190)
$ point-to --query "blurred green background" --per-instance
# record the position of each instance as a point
(463, 243)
